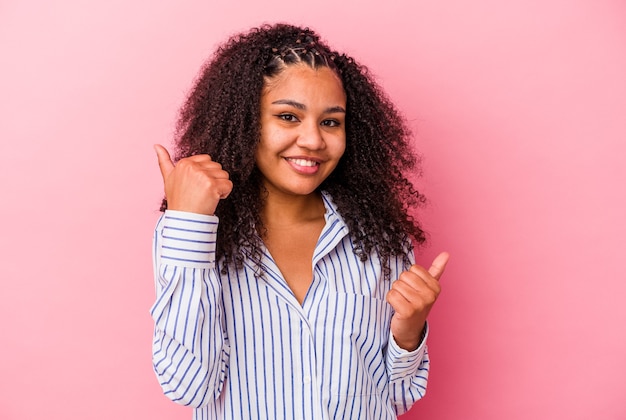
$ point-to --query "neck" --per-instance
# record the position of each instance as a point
(286, 210)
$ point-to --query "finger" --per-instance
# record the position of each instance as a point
(439, 265)
(205, 164)
(165, 161)
(418, 277)
(414, 287)
(226, 186)
(201, 158)
(407, 303)
(217, 172)
(407, 291)
(398, 302)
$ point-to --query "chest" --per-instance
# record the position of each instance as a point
(292, 252)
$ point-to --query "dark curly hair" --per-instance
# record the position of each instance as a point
(221, 117)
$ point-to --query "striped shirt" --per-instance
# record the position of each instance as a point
(236, 346)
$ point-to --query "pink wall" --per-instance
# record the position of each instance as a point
(520, 111)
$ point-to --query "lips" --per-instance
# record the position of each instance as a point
(303, 165)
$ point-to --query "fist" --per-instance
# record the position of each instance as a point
(194, 184)
(412, 296)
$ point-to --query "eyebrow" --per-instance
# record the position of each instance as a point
(298, 105)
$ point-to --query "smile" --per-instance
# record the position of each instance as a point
(304, 166)
(303, 162)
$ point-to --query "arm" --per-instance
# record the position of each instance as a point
(407, 373)
(190, 348)
(412, 297)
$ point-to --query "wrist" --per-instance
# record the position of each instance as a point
(411, 343)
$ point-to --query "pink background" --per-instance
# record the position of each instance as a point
(520, 112)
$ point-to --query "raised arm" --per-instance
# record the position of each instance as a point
(190, 347)
(412, 297)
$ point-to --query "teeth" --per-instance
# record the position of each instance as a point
(303, 162)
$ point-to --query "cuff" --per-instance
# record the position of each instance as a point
(188, 239)
(402, 363)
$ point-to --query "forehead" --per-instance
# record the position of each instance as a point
(300, 81)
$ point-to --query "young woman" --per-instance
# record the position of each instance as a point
(285, 275)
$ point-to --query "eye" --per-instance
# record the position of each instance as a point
(287, 117)
(331, 123)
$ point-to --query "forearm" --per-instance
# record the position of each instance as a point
(190, 350)
(407, 373)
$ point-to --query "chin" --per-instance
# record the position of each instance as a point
(300, 191)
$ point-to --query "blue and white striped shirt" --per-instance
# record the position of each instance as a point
(239, 347)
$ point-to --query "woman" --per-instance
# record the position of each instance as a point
(286, 283)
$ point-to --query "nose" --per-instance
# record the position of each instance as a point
(311, 136)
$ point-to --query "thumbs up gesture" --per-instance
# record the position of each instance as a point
(412, 297)
(194, 184)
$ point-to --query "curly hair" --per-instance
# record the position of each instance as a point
(221, 117)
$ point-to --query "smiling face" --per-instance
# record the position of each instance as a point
(303, 113)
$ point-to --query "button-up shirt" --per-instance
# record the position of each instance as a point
(240, 346)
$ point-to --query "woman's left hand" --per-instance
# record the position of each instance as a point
(412, 296)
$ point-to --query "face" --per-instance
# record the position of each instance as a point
(303, 136)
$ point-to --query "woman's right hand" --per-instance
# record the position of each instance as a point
(194, 184)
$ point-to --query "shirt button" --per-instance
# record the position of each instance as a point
(307, 379)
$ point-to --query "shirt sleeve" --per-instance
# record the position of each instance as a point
(190, 350)
(407, 370)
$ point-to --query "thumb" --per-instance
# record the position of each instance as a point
(439, 265)
(165, 161)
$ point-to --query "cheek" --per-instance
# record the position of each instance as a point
(264, 146)
(272, 139)
(341, 148)
(338, 151)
